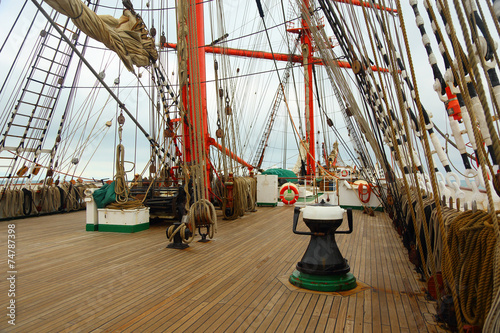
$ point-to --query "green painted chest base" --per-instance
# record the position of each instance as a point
(323, 282)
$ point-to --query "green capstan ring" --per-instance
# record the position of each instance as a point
(341, 282)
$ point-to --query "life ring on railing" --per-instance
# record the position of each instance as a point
(289, 194)
(344, 173)
(364, 196)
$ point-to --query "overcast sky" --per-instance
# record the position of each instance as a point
(253, 94)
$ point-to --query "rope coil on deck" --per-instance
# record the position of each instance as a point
(472, 242)
(244, 197)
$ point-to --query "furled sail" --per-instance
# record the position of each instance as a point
(332, 158)
(127, 36)
(303, 149)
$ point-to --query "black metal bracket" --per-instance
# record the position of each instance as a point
(296, 213)
(349, 222)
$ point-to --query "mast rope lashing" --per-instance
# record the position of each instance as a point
(364, 195)
(289, 194)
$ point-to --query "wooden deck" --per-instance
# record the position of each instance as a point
(70, 280)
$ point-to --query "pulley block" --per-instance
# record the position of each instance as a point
(356, 66)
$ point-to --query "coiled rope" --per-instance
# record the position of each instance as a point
(204, 213)
(244, 197)
(472, 242)
(70, 197)
(252, 193)
(55, 198)
(17, 200)
(123, 201)
(44, 202)
(121, 189)
(449, 214)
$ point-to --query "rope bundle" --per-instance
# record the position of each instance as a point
(121, 188)
(449, 214)
(244, 197)
(472, 242)
(71, 199)
(203, 212)
(13, 200)
(130, 204)
(44, 199)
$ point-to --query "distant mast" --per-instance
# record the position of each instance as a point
(307, 56)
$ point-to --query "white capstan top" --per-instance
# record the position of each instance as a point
(323, 212)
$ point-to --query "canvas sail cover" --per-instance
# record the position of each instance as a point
(303, 149)
(127, 36)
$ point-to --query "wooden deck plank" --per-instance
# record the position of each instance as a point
(299, 311)
(72, 280)
(386, 287)
(323, 316)
(282, 311)
(307, 314)
(285, 321)
(312, 325)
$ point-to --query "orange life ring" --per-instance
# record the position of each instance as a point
(344, 173)
(364, 196)
(286, 190)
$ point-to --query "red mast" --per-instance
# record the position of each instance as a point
(307, 62)
(196, 76)
(307, 51)
(196, 17)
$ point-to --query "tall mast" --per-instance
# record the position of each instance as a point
(307, 60)
(196, 72)
(307, 52)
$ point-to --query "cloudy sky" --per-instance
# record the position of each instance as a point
(252, 83)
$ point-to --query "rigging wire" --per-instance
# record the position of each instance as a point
(261, 13)
(13, 26)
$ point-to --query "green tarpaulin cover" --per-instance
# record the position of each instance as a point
(105, 195)
(282, 173)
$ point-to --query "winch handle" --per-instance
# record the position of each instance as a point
(296, 213)
(349, 222)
